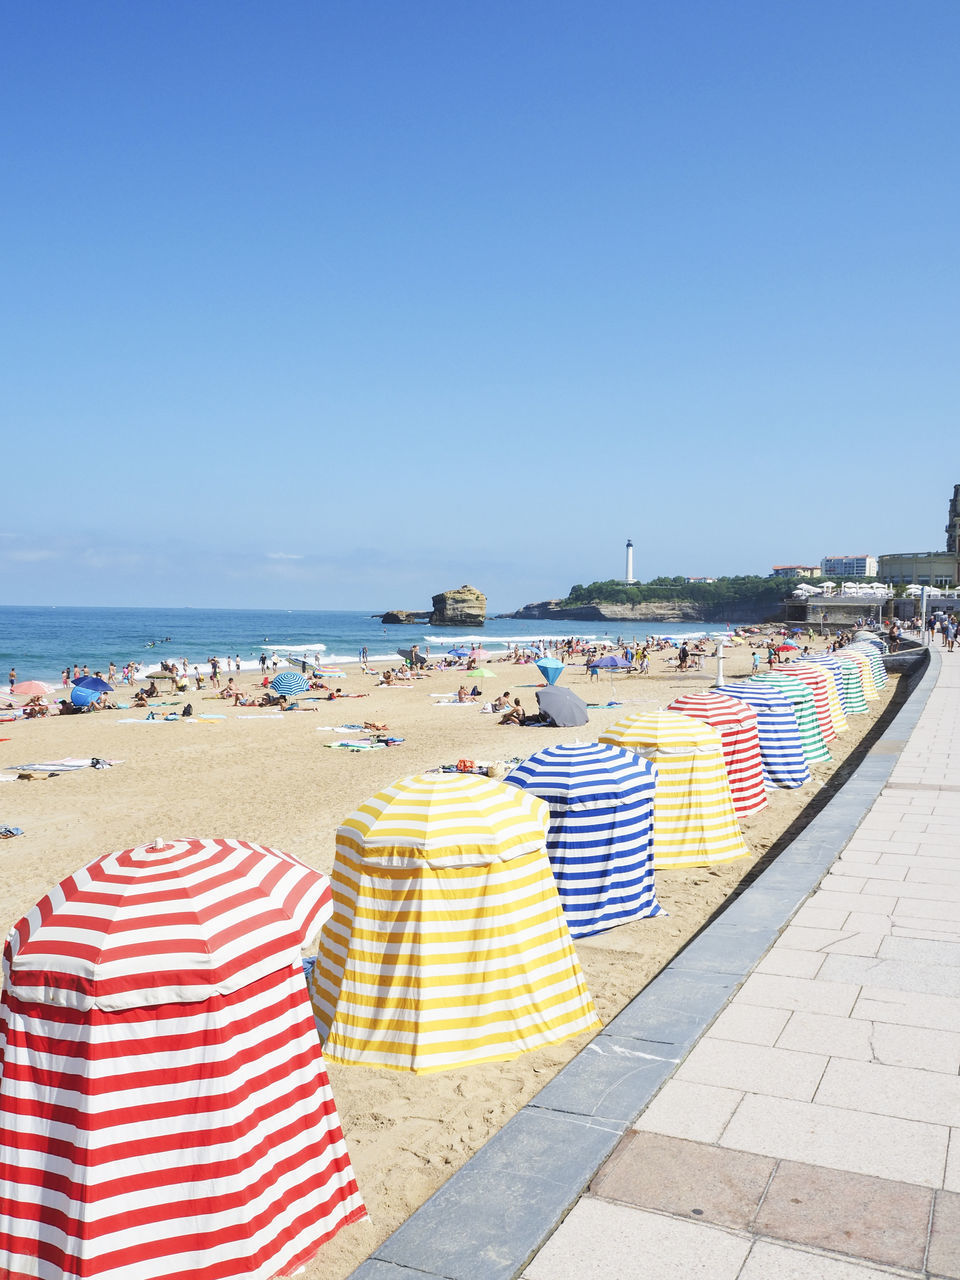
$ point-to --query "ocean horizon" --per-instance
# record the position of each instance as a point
(40, 640)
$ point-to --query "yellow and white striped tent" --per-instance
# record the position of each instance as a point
(448, 944)
(694, 822)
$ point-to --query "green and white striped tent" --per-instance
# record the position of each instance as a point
(804, 706)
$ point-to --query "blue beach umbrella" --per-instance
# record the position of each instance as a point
(289, 682)
(612, 661)
(459, 652)
(600, 840)
(92, 682)
(81, 697)
(550, 669)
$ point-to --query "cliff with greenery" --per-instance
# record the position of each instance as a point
(746, 598)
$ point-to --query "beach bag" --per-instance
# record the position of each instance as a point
(187, 710)
(465, 766)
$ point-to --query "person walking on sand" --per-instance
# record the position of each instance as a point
(13, 678)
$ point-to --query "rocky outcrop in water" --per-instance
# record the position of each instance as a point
(463, 607)
(405, 617)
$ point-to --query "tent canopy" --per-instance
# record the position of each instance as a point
(182, 922)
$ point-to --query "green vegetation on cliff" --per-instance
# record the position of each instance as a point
(724, 593)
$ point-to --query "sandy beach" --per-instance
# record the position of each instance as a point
(274, 779)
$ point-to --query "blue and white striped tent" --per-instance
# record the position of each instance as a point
(781, 749)
(600, 840)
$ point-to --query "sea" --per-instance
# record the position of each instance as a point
(40, 640)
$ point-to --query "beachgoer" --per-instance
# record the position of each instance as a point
(515, 715)
(13, 678)
(503, 702)
(263, 663)
(463, 696)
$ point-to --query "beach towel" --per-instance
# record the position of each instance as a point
(67, 764)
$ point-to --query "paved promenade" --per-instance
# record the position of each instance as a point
(812, 1130)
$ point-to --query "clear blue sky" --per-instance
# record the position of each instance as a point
(340, 304)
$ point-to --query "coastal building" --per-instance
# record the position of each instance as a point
(701, 579)
(928, 568)
(847, 566)
(796, 571)
(925, 568)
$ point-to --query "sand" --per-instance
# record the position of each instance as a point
(274, 781)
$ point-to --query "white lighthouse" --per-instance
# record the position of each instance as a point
(628, 577)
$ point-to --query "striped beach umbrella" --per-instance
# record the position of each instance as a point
(824, 687)
(289, 683)
(162, 1069)
(804, 707)
(736, 723)
(849, 680)
(600, 841)
(447, 945)
(781, 751)
(694, 822)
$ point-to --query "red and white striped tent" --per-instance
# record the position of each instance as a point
(736, 723)
(164, 1106)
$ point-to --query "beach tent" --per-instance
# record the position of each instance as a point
(848, 678)
(875, 658)
(824, 687)
(694, 822)
(804, 707)
(865, 666)
(447, 945)
(164, 1107)
(781, 751)
(83, 697)
(870, 637)
(550, 668)
(563, 707)
(736, 723)
(600, 841)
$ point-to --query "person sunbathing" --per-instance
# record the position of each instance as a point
(463, 696)
(515, 715)
(503, 702)
(141, 698)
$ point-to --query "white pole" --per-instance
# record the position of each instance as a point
(720, 661)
